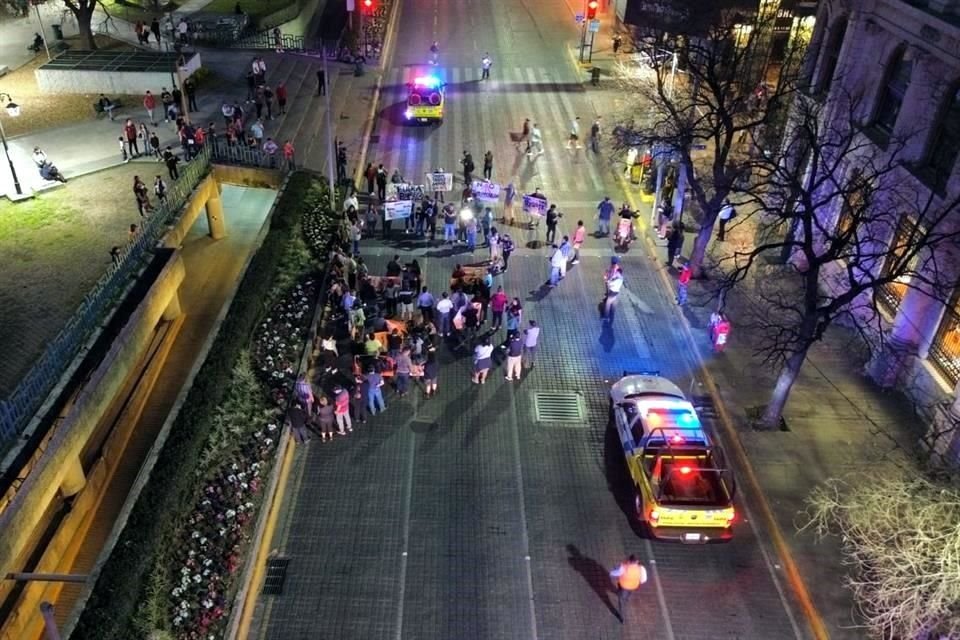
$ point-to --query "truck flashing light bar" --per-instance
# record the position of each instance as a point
(427, 82)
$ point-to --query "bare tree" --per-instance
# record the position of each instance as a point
(83, 11)
(901, 537)
(854, 226)
(701, 96)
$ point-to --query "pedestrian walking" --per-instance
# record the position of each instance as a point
(288, 155)
(727, 213)
(177, 96)
(150, 103)
(617, 41)
(425, 303)
(321, 82)
(160, 189)
(171, 160)
(431, 370)
(155, 30)
(535, 148)
(683, 281)
(404, 363)
(270, 148)
(488, 165)
(375, 392)
(498, 304)
(258, 100)
(297, 421)
(574, 139)
(281, 94)
(482, 361)
(531, 335)
(370, 173)
(268, 101)
(341, 164)
(604, 213)
(509, 194)
(467, 162)
(613, 281)
(506, 248)
(629, 575)
(341, 410)
(485, 64)
(325, 417)
(190, 88)
(595, 135)
(166, 99)
(183, 31)
(566, 250)
(381, 178)
(719, 330)
(123, 149)
(674, 242)
(578, 237)
(552, 219)
(303, 392)
(130, 134)
(259, 68)
(155, 145)
(358, 399)
(514, 357)
(251, 85)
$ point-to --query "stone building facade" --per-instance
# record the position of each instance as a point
(901, 60)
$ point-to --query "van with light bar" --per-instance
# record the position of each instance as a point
(683, 487)
(425, 99)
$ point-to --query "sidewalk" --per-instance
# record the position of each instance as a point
(837, 422)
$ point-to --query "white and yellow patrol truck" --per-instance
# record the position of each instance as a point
(426, 98)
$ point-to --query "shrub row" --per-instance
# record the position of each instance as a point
(168, 497)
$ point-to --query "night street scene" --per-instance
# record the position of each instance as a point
(423, 320)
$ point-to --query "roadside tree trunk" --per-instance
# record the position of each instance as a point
(700, 244)
(773, 412)
(83, 11)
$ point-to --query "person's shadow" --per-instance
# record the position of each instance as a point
(594, 573)
(607, 339)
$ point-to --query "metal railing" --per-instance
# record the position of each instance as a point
(240, 154)
(17, 409)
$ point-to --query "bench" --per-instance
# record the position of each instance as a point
(98, 110)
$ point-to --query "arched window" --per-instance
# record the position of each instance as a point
(894, 87)
(945, 138)
(831, 55)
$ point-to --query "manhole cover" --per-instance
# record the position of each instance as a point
(552, 407)
(275, 577)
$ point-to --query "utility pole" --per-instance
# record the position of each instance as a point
(331, 153)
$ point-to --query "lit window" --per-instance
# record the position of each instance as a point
(945, 349)
(945, 141)
(890, 295)
(892, 91)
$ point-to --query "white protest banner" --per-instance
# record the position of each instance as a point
(535, 206)
(439, 181)
(397, 209)
(405, 191)
(485, 190)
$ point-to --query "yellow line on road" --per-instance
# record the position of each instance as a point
(792, 572)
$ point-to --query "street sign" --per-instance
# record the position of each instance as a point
(485, 190)
(439, 181)
(535, 206)
(397, 209)
(351, 6)
(579, 18)
(594, 26)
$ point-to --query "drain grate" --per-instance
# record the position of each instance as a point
(562, 406)
(276, 576)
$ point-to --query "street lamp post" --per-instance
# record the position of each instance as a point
(14, 110)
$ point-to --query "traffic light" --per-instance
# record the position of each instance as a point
(368, 6)
(592, 9)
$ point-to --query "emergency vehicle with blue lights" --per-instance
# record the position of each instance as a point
(426, 99)
(683, 487)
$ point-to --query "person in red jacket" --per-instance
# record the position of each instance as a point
(719, 330)
(281, 94)
(150, 103)
(498, 303)
(682, 281)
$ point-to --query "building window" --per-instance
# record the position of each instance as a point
(892, 90)
(890, 295)
(945, 140)
(831, 55)
(945, 350)
(856, 196)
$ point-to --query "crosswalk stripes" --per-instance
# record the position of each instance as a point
(480, 116)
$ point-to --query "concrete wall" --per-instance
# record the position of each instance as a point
(108, 82)
(21, 517)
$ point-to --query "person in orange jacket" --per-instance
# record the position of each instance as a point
(630, 574)
(682, 281)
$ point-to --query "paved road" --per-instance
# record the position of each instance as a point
(461, 516)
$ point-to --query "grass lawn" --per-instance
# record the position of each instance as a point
(53, 249)
(253, 8)
(133, 11)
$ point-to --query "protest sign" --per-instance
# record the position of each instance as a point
(485, 190)
(535, 206)
(439, 181)
(397, 209)
(405, 191)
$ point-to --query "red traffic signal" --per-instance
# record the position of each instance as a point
(368, 6)
(592, 9)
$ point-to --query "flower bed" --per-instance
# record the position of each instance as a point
(172, 570)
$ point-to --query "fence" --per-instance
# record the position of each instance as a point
(243, 155)
(21, 405)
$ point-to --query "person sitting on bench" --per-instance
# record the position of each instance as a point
(106, 105)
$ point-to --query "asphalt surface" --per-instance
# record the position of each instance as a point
(461, 516)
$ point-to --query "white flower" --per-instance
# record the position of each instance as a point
(207, 603)
(271, 427)
(249, 505)
(231, 513)
(207, 562)
(195, 535)
(185, 570)
(268, 441)
(197, 578)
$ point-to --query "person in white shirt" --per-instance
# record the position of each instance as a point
(613, 278)
(351, 201)
(485, 64)
(536, 142)
(482, 360)
(724, 216)
(574, 139)
(444, 309)
(530, 336)
(557, 262)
